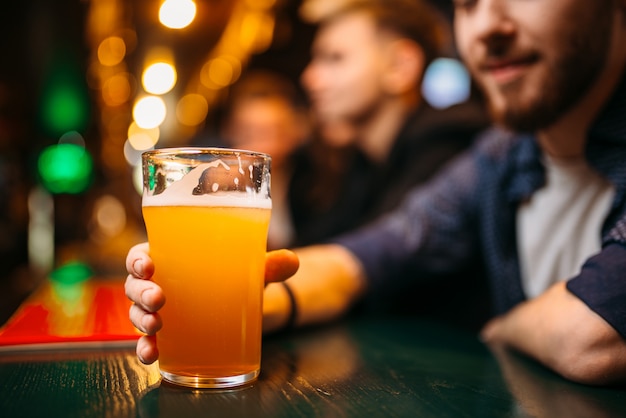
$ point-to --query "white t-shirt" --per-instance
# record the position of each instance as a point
(559, 227)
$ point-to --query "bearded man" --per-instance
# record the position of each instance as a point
(540, 200)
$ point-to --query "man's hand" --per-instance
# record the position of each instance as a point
(560, 331)
(148, 297)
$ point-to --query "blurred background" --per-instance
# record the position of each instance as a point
(87, 85)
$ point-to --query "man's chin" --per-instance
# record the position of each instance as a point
(523, 121)
(510, 112)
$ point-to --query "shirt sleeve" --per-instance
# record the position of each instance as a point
(430, 233)
(601, 285)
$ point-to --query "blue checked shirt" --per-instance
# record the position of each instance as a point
(467, 214)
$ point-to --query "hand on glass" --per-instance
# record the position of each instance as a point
(148, 298)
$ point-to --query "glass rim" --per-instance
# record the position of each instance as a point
(206, 150)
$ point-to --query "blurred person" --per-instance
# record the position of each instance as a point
(377, 136)
(540, 200)
(265, 113)
(375, 130)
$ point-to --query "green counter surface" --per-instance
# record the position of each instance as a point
(359, 367)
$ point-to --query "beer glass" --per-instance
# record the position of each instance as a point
(207, 212)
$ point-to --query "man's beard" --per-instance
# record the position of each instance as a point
(565, 81)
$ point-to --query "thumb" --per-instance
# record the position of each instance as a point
(280, 265)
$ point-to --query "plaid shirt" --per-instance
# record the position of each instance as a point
(468, 212)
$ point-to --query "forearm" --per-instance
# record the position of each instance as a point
(326, 285)
(561, 332)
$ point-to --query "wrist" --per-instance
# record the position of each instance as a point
(293, 311)
(277, 308)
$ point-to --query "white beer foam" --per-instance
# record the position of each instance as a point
(179, 193)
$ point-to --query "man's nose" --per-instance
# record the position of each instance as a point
(491, 19)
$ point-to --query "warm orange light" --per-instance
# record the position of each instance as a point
(257, 29)
(109, 216)
(177, 14)
(111, 51)
(192, 109)
(149, 112)
(260, 4)
(159, 78)
(116, 90)
(142, 139)
(220, 72)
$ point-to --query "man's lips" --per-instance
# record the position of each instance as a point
(504, 71)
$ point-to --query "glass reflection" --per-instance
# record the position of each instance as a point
(402, 367)
(542, 394)
(314, 363)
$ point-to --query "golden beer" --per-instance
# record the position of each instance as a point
(210, 263)
(209, 259)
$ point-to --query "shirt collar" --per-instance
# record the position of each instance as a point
(526, 171)
(605, 152)
(606, 145)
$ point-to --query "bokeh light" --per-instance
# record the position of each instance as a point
(220, 72)
(138, 178)
(177, 14)
(132, 155)
(111, 51)
(257, 31)
(142, 139)
(72, 137)
(40, 229)
(65, 168)
(192, 109)
(64, 101)
(159, 78)
(71, 273)
(446, 82)
(149, 112)
(68, 286)
(109, 215)
(116, 90)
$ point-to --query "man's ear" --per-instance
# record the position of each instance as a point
(405, 66)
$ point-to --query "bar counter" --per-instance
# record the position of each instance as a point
(359, 367)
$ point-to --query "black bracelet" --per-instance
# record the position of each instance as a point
(291, 321)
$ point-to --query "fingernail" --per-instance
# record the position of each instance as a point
(138, 267)
(145, 297)
(143, 325)
(141, 357)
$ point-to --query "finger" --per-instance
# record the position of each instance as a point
(489, 332)
(146, 322)
(145, 293)
(138, 262)
(280, 265)
(147, 351)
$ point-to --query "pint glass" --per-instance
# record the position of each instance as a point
(207, 212)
